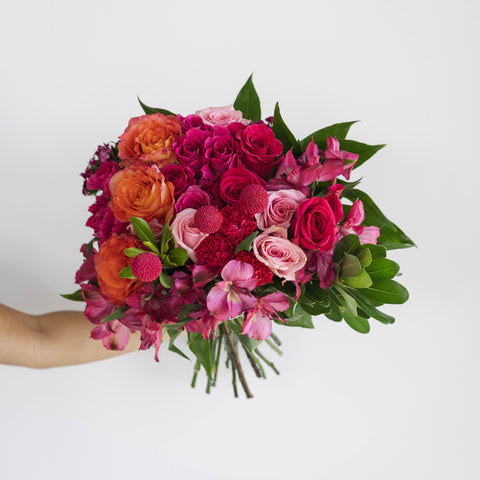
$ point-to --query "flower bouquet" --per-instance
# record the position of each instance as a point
(220, 224)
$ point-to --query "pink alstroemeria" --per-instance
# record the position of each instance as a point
(231, 297)
(98, 306)
(258, 323)
(352, 224)
(333, 152)
(114, 335)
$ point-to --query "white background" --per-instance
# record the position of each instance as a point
(399, 403)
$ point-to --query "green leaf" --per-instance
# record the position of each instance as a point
(173, 334)
(133, 252)
(359, 324)
(350, 266)
(297, 316)
(387, 291)
(75, 296)
(249, 343)
(364, 257)
(248, 102)
(348, 244)
(150, 110)
(201, 349)
(282, 132)
(364, 151)
(367, 306)
(382, 269)
(166, 241)
(126, 273)
(116, 314)
(185, 311)
(152, 247)
(143, 230)
(362, 280)
(376, 251)
(313, 309)
(337, 130)
(348, 301)
(166, 280)
(246, 243)
(314, 291)
(391, 237)
(89, 246)
(334, 313)
(177, 256)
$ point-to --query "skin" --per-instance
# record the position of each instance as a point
(51, 340)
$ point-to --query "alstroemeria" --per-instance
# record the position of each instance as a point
(231, 297)
(258, 323)
(352, 224)
(333, 152)
(114, 335)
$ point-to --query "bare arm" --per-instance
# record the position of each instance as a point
(51, 340)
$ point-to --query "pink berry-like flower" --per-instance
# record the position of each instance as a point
(146, 267)
(208, 219)
(254, 198)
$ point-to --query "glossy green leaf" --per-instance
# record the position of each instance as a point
(185, 311)
(177, 256)
(350, 266)
(376, 251)
(367, 306)
(246, 244)
(362, 280)
(362, 149)
(334, 313)
(313, 309)
(337, 130)
(296, 316)
(133, 252)
(150, 110)
(387, 291)
(201, 349)
(359, 324)
(248, 102)
(75, 296)
(364, 257)
(152, 247)
(115, 315)
(173, 334)
(167, 241)
(166, 280)
(143, 230)
(314, 291)
(382, 269)
(349, 244)
(282, 132)
(391, 237)
(126, 273)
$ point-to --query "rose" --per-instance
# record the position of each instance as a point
(193, 197)
(280, 209)
(194, 121)
(315, 225)
(283, 257)
(221, 115)
(261, 148)
(181, 177)
(109, 261)
(141, 191)
(233, 181)
(150, 138)
(222, 150)
(185, 234)
(190, 149)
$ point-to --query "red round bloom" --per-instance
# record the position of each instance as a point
(261, 272)
(315, 225)
(214, 250)
(238, 224)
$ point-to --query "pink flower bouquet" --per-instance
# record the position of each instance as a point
(220, 224)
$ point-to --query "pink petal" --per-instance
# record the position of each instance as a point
(279, 301)
(257, 326)
(217, 303)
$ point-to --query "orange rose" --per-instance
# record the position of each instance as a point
(149, 139)
(109, 261)
(141, 191)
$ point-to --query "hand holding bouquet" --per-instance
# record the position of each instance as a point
(221, 224)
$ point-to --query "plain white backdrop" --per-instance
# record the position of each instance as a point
(398, 403)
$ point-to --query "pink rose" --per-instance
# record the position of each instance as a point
(221, 115)
(222, 150)
(261, 148)
(233, 181)
(185, 234)
(315, 225)
(283, 257)
(194, 197)
(281, 207)
(190, 149)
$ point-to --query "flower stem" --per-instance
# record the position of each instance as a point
(276, 339)
(235, 359)
(273, 346)
(234, 376)
(268, 362)
(253, 363)
(217, 359)
(195, 373)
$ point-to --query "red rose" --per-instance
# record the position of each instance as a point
(315, 225)
(261, 148)
(233, 181)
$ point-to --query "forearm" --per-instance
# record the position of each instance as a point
(50, 340)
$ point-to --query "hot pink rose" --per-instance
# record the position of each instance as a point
(283, 257)
(194, 197)
(281, 207)
(233, 181)
(181, 177)
(190, 149)
(185, 234)
(315, 225)
(221, 115)
(261, 148)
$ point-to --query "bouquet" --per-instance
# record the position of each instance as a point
(220, 224)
